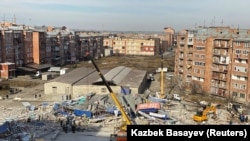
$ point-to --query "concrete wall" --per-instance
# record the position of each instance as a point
(56, 88)
(80, 90)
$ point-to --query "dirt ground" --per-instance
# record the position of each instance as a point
(149, 63)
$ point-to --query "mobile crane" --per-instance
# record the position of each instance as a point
(201, 116)
(121, 134)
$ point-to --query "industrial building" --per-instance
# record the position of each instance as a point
(82, 81)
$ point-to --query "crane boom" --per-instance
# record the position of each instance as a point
(114, 97)
(162, 79)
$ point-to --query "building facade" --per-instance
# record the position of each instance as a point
(170, 36)
(214, 60)
(131, 46)
(82, 81)
(25, 46)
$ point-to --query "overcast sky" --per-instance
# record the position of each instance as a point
(128, 15)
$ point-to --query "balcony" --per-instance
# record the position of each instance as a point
(217, 53)
(224, 62)
(57, 58)
(241, 56)
(222, 86)
(222, 70)
(182, 42)
(226, 46)
(219, 92)
(217, 77)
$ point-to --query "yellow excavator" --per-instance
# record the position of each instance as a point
(121, 134)
(201, 116)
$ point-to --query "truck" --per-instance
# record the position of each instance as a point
(121, 133)
(37, 75)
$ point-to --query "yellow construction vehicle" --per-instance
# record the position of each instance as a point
(121, 134)
(201, 116)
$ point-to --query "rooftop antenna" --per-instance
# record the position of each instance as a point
(102, 29)
(214, 20)
(222, 22)
(204, 23)
(4, 18)
(14, 19)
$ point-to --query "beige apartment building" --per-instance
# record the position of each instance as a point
(215, 61)
(131, 46)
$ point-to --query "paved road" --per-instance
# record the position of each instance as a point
(80, 137)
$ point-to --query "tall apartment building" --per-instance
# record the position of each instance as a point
(215, 61)
(131, 46)
(60, 45)
(89, 41)
(170, 36)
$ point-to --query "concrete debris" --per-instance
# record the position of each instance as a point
(93, 112)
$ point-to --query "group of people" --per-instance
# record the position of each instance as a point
(67, 125)
(243, 118)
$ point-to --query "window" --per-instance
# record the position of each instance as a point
(240, 69)
(234, 94)
(237, 51)
(235, 85)
(199, 63)
(200, 48)
(246, 45)
(245, 52)
(202, 71)
(243, 86)
(196, 55)
(242, 95)
(202, 56)
(104, 90)
(238, 43)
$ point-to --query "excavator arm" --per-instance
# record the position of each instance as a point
(125, 117)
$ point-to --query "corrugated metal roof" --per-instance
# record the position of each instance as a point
(121, 76)
(91, 78)
(134, 78)
(74, 76)
(116, 75)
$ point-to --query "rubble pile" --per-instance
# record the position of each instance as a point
(93, 113)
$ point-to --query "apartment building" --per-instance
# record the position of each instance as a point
(215, 61)
(169, 36)
(89, 41)
(131, 46)
(60, 46)
(32, 48)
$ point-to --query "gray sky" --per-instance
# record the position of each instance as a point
(127, 15)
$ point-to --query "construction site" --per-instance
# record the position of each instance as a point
(28, 114)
